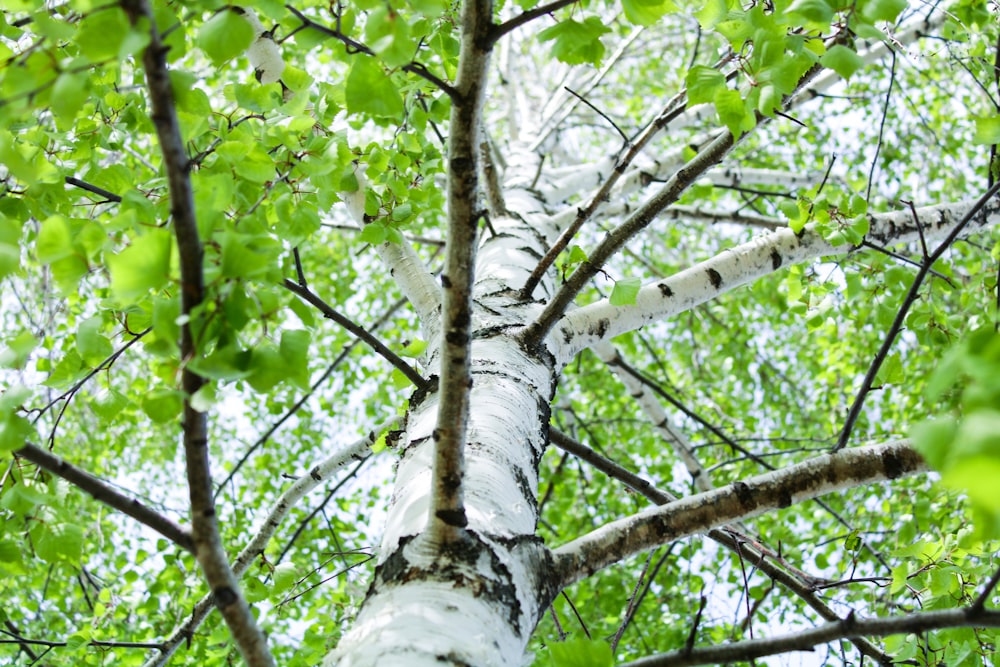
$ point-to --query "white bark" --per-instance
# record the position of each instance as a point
(475, 602)
(583, 327)
(657, 416)
(406, 268)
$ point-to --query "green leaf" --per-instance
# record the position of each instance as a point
(374, 233)
(91, 344)
(69, 93)
(59, 542)
(142, 266)
(815, 11)
(294, 350)
(109, 404)
(711, 12)
(581, 652)
(732, 111)
(55, 239)
(575, 42)
(102, 33)
(881, 10)
(625, 291)
(646, 12)
(987, 131)
(933, 440)
(284, 576)
(414, 348)
(224, 36)
(163, 405)
(18, 349)
(843, 60)
(703, 83)
(387, 33)
(369, 90)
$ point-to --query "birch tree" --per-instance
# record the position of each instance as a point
(499, 333)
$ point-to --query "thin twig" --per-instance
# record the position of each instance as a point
(354, 46)
(904, 309)
(530, 15)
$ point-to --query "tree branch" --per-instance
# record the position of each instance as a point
(752, 551)
(741, 500)
(745, 263)
(105, 493)
(806, 640)
(406, 268)
(521, 19)
(355, 46)
(204, 524)
(448, 517)
(378, 346)
(904, 309)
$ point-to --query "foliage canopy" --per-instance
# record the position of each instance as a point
(198, 333)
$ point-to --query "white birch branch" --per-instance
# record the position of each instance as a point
(735, 502)
(657, 416)
(405, 266)
(585, 326)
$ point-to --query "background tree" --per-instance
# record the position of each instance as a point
(634, 308)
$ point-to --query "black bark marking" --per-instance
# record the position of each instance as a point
(775, 260)
(224, 596)
(455, 518)
(600, 327)
(665, 290)
(456, 338)
(714, 278)
(892, 465)
(744, 495)
(445, 281)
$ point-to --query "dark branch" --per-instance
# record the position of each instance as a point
(806, 640)
(355, 46)
(204, 523)
(331, 313)
(904, 309)
(105, 493)
(526, 17)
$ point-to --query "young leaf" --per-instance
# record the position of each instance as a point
(703, 83)
(987, 130)
(575, 42)
(625, 291)
(843, 60)
(224, 36)
(646, 12)
(142, 266)
(370, 90)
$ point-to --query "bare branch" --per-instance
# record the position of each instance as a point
(331, 313)
(105, 493)
(741, 500)
(806, 640)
